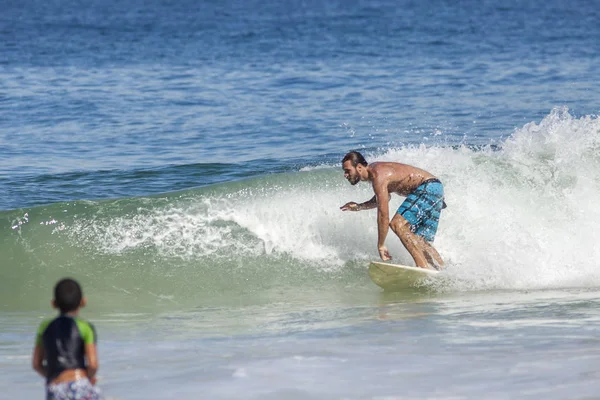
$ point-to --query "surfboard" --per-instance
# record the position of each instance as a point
(395, 276)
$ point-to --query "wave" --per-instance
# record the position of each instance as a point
(521, 215)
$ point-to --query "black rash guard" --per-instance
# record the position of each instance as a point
(63, 339)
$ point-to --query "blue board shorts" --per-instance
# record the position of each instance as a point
(422, 208)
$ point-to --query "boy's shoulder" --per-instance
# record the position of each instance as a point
(44, 324)
(86, 329)
(42, 328)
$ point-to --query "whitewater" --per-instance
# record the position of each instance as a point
(521, 215)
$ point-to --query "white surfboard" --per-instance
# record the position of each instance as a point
(394, 276)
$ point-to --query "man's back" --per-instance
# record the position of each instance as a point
(399, 178)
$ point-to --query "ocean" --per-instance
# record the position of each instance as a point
(182, 160)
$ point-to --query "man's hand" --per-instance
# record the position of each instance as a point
(352, 206)
(384, 254)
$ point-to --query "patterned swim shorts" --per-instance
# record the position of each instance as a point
(422, 208)
(81, 389)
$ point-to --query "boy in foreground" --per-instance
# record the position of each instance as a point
(65, 348)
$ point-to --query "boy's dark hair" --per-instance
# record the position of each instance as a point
(356, 158)
(67, 295)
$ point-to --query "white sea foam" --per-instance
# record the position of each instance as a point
(523, 215)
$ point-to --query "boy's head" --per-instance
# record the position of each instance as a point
(68, 296)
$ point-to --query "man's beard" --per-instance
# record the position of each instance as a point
(354, 180)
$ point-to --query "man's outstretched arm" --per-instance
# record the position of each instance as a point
(367, 205)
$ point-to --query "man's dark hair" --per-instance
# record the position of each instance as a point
(356, 158)
(67, 295)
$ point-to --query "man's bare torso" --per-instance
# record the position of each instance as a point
(399, 178)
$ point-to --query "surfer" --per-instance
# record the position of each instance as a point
(416, 221)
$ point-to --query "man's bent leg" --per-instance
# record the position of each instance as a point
(433, 257)
(401, 228)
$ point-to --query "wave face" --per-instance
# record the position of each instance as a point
(522, 214)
